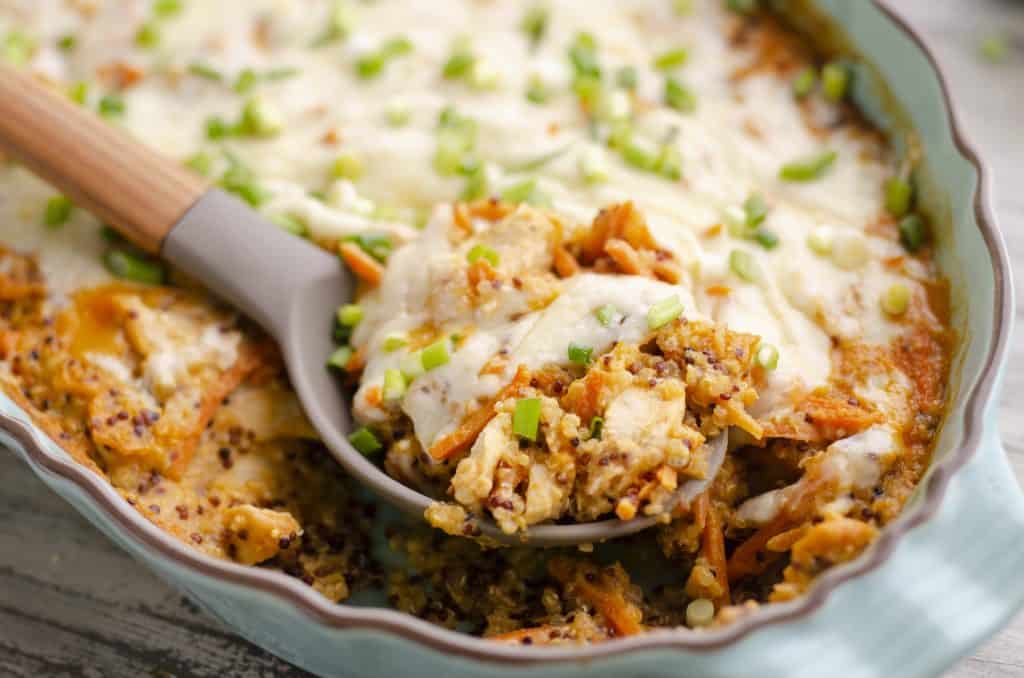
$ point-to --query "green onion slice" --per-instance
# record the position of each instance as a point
(768, 357)
(606, 314)
(58, 211)
(394, 384)
(350, 315)
(395, 341)
(596, 427)
(365, 441)
(482, 251)
(898, 196)
(129, 266)
(436, 355)
(913, 233)
(664, 312)
(580, 355)
(526, 418)
(808, 169)
(340, 358)
(743, 265)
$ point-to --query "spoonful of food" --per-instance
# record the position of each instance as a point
(284, 283)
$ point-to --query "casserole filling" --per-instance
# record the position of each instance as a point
(590, 237)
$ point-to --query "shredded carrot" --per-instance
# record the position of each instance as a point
(718, 291)
(622, 615)
(667, 271)
(491, 209)
(461, 218)
(362, 264)
(626, 258)
(566, 265)
(463, 437)
(479, 271)
(712, 547)
(750, 557)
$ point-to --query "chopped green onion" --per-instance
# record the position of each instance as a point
(217, 128)
(200, 163)
(700, 612)
(596, 428)
(526, 418)
(148, 36)
(205, 71)
(674, 58)
(290, 224)
(835, 81)
(537, 92)
(898, 196)
(735, 218)
(455, 139)
(766, 239)
(583, 55)
(347, 166)
(588, 89)
(742, 6)
(743, 264)
(768, 357)
(411, 365)
(67, 43)
(482, 251)
(580, 355)
(278, 74)
(340, 358)
(627, 78)
(395, 341)
(377, 246)
(808, 169)
(804, 82)
(435, 355)
(17, 48)
(896, 299)
(58, 211)
(135, 268)
(110, 235)
(664, 312)
(398, 115)
(478, 183)
(371, 65)
(394, 384)
(258, 120)
(166, 8)
(679, 97)
(995, 49)
(606, 314)
(621, 135)
(350, 315)
(593, 167)
(682, 7)
(79, 92)
(535, 24)
(540, 161)
(525, 191)
(245, 81)
(756, 210)
(670, 163)
(339, 24)
(365, 442)
(458, 65)
(239, 180)
(484, 76)
(640, 157)
(913, 233)
(111, 106)
(820, 240)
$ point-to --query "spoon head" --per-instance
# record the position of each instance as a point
(291, 288)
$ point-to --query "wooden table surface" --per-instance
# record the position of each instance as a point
(72, 604)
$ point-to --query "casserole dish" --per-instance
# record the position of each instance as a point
(981, 303)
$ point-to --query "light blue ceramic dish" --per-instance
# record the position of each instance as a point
(939, 581)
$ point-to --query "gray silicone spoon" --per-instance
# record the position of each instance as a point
(287, 285)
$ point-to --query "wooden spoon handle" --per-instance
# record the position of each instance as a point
(101, 168)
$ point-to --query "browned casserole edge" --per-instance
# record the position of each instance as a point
(321, 611)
